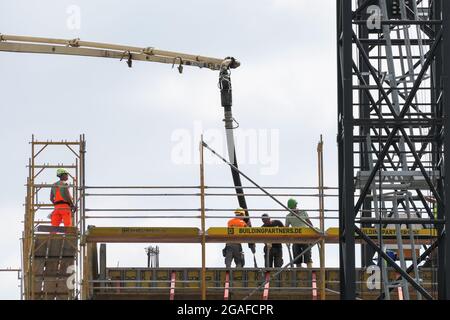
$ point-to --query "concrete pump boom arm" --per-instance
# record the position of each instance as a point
(76, 47)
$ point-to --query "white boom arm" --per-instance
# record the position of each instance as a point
(77, 47)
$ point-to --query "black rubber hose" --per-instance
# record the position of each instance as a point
(227, 102)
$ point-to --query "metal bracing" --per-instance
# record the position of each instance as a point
(443, 107)
(392, 95)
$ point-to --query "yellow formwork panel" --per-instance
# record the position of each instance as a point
(303, 278)
(193, 275)
(237, 278)
(254, 278)
(286, 279)
(179, 278)
(362, 285)
(247, 278)
(162, 278)
(220, 278)
(146, 275)
(332, 279)
(130, 275)
(428, 276)
(115, 275)
(210, 279)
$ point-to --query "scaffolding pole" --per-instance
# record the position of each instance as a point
(202, 204)
(322, 218)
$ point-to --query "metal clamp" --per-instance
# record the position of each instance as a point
(148, 51)
(180, 66)
(74, 42)
(129, 60)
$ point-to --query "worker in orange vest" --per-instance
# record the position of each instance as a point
(62, 200)
(233, 251)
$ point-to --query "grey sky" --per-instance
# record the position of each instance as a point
(286, 83)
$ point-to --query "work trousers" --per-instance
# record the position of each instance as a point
(233, 251)
(62, 213)
(273, 257)
(297, 249)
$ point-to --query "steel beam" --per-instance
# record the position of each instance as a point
(346, 216)
(444, 257)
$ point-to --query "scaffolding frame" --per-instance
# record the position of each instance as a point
(34, 206)
(91, 281)
(96, 235)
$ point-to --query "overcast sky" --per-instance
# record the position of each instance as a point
(142, 124)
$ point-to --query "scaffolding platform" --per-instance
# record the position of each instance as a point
(193, 235)
(142, 235)
(238, 235)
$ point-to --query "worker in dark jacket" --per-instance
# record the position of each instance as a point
(273, 252)
(233, 251)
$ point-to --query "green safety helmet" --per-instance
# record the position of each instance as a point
(61, 171)
(292, 203)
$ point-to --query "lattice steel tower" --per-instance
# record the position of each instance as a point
(393, 101)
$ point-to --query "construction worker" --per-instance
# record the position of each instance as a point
(233, 251)
(62, 200)
(273, 252)
(293, 221)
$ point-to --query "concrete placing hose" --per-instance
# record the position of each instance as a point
(227, 102)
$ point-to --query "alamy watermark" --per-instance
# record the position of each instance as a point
(374, 280)
(70, 282)
(73, 21)
(374, 19)
(256, 147)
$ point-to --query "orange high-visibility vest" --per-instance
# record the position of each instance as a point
(60, 196)
(236, 222)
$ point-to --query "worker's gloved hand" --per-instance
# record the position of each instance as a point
(73, 208)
